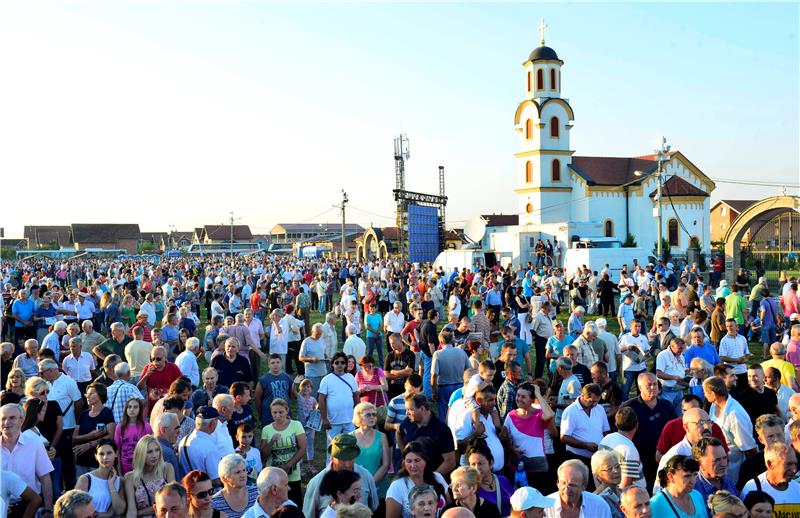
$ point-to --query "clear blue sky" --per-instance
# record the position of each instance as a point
(177, 113)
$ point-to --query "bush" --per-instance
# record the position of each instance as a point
(630, 241)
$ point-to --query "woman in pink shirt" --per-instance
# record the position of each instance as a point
(526, 426)
(372, 382)
(790, 302)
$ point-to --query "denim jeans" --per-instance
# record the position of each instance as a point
(323, 303)
(426, 375)
(630, 380)
(674, 398)
(374, 342)
(443, 397)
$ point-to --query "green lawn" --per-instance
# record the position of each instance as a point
(320, 440)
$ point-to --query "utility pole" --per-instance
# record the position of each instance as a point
(662, 153)
(231, 241)
(344, 203)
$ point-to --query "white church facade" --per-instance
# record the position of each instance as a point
(566, 197)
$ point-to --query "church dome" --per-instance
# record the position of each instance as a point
(543, 53)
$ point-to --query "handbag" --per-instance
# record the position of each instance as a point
(382, 411)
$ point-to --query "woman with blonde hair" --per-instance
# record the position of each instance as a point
(283, 445)
(464, 483)
(375, 454)
(15, 387)
(725, 503)
(607, 477)
(149, 473)
(128, 310)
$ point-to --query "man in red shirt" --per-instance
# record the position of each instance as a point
(158, 376)
(408, 334)
(674, 433)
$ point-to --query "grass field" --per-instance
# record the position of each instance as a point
(320, 445)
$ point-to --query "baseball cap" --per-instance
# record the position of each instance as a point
(526, 498)
(207, 412)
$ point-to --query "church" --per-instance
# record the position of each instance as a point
(565, 197)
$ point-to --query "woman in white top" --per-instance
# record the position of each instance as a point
(416, 470)
(344, 487)
(103, 483)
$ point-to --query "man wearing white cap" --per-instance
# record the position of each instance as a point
(527, 502)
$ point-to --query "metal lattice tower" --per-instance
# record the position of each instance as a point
(401, 154)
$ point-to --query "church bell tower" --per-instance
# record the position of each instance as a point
(543, 121)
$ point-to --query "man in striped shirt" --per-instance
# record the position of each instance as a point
(121, 391)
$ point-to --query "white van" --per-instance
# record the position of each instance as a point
(468, 258)
(595, 253)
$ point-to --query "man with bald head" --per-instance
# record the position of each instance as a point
(777, 351)
(653, 414)
(158, 375)
(697, 425)
(458, 512)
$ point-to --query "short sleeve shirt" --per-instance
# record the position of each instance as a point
(286, 447)
(438, 433)
(339, 391)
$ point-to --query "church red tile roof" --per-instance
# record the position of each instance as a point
(677, 186)
(601, 170)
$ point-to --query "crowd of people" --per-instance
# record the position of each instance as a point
(250, 386)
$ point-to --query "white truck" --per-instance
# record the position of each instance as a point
(597, 252)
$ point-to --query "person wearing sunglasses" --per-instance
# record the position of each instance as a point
(198, 492)
(158, 376)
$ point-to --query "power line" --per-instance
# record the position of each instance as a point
(372, 213)
(766, 184)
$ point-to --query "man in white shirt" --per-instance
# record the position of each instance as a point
(273, 492)
(733, 350)
(394, 320)
(149, 308)
(223, 404)
(79, 365)
(612, 346)
(187, 361)
(621, 444)
(329, 335)
(64, 390)
(570, 388)
(671, 369)
(777, 481)
(633, 346)
(584, 423)
(572, 496)
(354, 345)
(198, 449)
(734, 421)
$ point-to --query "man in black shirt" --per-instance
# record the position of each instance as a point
(421, 423)
(399, 365)
(578, 369)
(611, 395)
(756, 399)
(428, 341)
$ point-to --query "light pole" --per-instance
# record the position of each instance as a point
(662, 153)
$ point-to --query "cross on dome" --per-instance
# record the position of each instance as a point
(542, 27)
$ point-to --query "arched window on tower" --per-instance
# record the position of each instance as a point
(529, 129)
(554, 129)
(609, 228)
(540, 79)
(555, 172)
(530, 80)
(552, 79)
(672, 232)
(528, 172)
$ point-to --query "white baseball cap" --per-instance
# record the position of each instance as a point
(526, 498)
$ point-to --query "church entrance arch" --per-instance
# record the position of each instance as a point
(752, 215)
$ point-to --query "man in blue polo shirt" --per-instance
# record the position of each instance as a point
(22, 311)
(700, 349)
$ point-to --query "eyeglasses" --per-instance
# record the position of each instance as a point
(158, 359)
(203, 494)
(44, 392)
(702, 422)
(369, 414)
(340, 363)
(615, 467)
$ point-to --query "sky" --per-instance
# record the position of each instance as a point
(179, 113)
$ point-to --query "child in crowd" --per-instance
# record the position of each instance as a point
(244, 436)
(242, 412)
(132, 428)
(306, 404)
